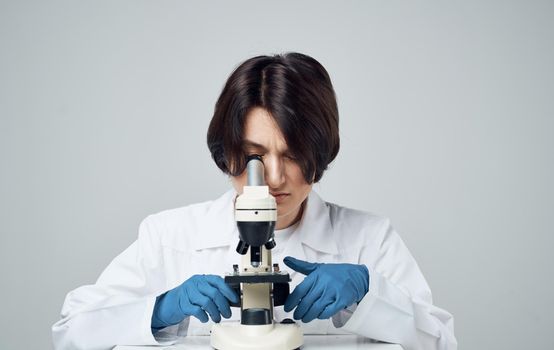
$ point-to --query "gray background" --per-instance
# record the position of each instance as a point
(446, 124)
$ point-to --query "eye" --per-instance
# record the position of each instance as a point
(289, 157)
(248, 155)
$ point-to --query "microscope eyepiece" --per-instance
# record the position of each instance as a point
(255, 171)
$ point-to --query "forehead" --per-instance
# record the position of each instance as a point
(260, 128)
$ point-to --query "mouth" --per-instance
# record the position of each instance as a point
(280, 196)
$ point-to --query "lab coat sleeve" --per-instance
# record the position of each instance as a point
(398, 307)
(117, 309)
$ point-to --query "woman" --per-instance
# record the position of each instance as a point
(351, 271)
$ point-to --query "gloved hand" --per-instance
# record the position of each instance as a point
(327, 289)
(197, 296)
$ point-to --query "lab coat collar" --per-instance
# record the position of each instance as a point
(314, 230)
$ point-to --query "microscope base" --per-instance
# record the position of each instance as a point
(235, 336)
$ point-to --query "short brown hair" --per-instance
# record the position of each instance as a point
(297, 92)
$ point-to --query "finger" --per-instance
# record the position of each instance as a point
(188, 309)
(316, 309)
(301, 266)
(200, 314)
(331, 309)
(220, 301)
(220, 284)
(205, 302)
(308, 302)
(298, 293)
(209, 306)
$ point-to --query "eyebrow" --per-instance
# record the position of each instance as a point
(248, 143)
(252, 144)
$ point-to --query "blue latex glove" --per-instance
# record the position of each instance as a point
(327, 289)
(197, 296)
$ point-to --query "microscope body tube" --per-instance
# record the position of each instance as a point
(256, 215)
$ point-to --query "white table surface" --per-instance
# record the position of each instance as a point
(311, 342)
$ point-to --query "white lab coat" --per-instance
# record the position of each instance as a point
(175, 244)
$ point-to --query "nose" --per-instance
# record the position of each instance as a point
(274, 172)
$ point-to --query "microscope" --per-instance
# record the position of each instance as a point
(259, 283)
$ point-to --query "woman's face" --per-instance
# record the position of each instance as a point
(282, 174)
